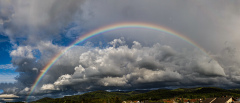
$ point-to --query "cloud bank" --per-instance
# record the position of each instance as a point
(126, 67)
(145, 59)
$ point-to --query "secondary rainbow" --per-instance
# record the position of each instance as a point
(106, 29)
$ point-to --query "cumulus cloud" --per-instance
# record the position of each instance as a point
(30, 60)
(132, 67)
(48, 87)
(22, 52)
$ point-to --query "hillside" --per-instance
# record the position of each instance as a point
(92, 97)
(118, 97)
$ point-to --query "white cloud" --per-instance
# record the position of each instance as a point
(8, 96)
(148, 76)
(63, 80)
(8, 77)
(7, 66)
(113, 81)
(22, 52)
(125, 66)
(117, 42)
(26, 90)
(48, 87)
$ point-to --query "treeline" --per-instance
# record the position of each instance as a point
(155, 95)
(190, 93)
(86, 100)
(92, 97)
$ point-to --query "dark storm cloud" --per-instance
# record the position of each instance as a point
(209, 23)
(6, 85)
(36, 20)
(229, 59)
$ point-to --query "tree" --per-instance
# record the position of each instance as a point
(117, 100)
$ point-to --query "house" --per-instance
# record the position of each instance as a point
(208, 100)
(236, 100)
(218, 100)
(191, 101)
(194, 100)
(168, 101)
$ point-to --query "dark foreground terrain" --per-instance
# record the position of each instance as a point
(154, 95)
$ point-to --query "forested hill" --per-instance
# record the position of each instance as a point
(118, 97)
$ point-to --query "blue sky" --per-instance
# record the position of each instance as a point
(5, 48)
(32, 33)
(7, 71)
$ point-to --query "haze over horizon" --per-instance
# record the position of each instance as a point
(200, 51)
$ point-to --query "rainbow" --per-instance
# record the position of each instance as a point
(106, 29)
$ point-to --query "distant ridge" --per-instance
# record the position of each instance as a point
(118, 97)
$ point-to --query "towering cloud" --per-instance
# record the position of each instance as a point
(126, 67)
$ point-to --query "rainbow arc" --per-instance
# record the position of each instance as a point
(104, 29)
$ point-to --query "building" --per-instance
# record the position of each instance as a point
(191, 101)
(219, 100)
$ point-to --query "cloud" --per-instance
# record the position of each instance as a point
(125, 67)
(5, 11)
(205, 67)
(30, 61)
(24, 22)
(229, 59)
(6, 85)
(8, 77)
(48, 87)
(120, 66)
(22, 52)
(63, 80)
(113, 81)
(7, 66)
(209, 23)
(8, 96)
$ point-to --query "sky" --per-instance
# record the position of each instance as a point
(32, 33)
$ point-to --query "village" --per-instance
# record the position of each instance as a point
(198, 100)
